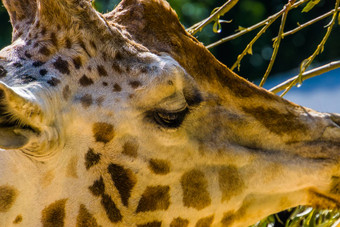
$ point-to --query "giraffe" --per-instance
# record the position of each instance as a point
(124, 119)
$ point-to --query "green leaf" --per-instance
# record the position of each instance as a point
(240, 28)
(310, 5)
(250, 50)
(338, 18)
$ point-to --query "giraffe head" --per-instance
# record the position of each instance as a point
(125, 119)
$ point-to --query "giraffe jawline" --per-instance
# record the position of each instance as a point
(323, 201)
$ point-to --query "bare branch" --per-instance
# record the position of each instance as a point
(277, 43)
(306, 75)
(306, 63)
(302, 26)
(250, 44)
(251, 28)
(220, 12)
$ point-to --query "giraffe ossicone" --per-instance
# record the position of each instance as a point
(124, 119)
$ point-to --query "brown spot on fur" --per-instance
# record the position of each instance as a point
(179, 222)
(105, 84)
(101, 70)
(53, 215)
(53, 81)
(124, 181)
(61, 65)
(77, 62)
(91, 158)
(230, 182)
(116, 88)
(205, 222)
(145, 69)
(3, 71)
(276, 122)
(54, 40)
(45, 51)
(93, 44)
(68, 43)
(85, 218)
(8, 196)
(47, 178)
(103, 132)
(43, 72)
(86, 100)
(154, 198)
(66, 92)
(159, 166)
(151, 224)
(111, 209)
(16, 64)
(116, 67)
(130, 148)
(135, 84)
(72, 167)
(98, 187)
(43, 31)
(118, 56)
(19, 34)
(194, 186)
(38, 63)
(28, 55)
(228, 219)
(85, 81)
(18, 219)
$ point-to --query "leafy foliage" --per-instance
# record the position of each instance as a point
(302, 216)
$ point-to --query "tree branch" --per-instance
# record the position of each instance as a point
(276, 43)
(249, 47)
(306, 63)
(306, 75)
(302, 26)
(255, 26)
(220, 12)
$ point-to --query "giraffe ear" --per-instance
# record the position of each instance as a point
(60, 14)
(22, 15)
(156, 26)
(65, 12)
(151, 22)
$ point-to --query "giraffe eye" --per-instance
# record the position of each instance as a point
(170, 119)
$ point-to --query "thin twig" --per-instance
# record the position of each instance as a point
(306, 63)
(302, 26)
(306, 75)
(253, 27)
(220, 12)
(277, 43)
(250, 44)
